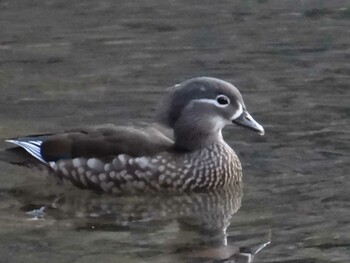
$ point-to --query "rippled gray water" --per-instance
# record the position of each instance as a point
(65, 64)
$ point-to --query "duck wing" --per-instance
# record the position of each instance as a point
(101, 142)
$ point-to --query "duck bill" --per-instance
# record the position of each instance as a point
(246, 120)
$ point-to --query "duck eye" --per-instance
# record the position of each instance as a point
(223, 100)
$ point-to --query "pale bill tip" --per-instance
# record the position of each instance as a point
(262, 132)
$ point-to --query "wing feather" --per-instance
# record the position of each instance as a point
(32, 147)
(101, 142)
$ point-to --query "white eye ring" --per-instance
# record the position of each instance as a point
(222, 100)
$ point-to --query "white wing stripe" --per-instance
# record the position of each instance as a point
(32, 147)
(37, 143)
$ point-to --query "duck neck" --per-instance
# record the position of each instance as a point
(189, 138)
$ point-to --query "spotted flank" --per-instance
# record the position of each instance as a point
(31, 146)
(125, 174)
(122, 174)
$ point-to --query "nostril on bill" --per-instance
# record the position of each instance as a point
(247, 117)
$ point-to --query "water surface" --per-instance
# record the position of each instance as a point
(65, 64)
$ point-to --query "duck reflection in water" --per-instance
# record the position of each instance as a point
(202, 219)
